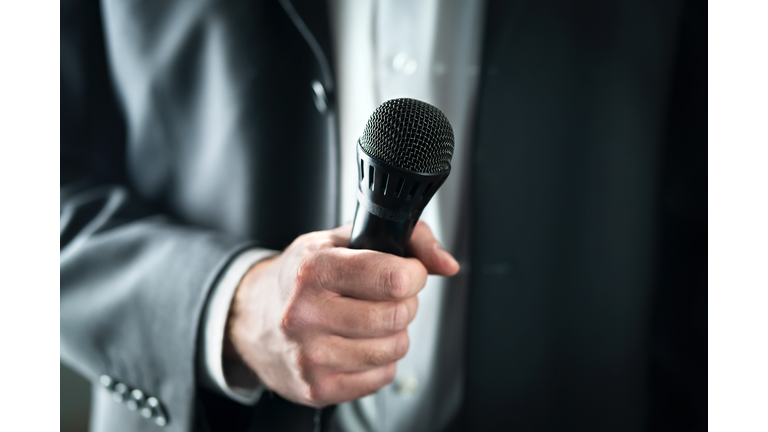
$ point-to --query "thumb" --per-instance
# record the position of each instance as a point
(428, 250)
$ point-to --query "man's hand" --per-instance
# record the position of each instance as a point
(322, 324)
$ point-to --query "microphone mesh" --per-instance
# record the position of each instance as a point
(411, 135)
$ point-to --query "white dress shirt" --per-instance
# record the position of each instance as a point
(214, 326)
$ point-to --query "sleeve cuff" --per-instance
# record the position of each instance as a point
(214, 324)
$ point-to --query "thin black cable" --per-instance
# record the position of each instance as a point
(318, 418)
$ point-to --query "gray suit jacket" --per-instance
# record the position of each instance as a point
(190, 130)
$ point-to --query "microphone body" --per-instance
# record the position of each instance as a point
(403, 157)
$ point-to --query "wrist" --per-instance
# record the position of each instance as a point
(237, 372)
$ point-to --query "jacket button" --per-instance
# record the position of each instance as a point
(120, 392)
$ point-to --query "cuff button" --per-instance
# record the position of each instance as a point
(157, 411)
(146, 412)
(136, 400)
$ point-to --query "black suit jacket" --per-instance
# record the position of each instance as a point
(190, 131)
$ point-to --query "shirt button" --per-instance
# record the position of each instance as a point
(407, 386)
(404, 64)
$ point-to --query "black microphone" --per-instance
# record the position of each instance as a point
(403, 157)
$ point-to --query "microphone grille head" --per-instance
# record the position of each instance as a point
(411, 135)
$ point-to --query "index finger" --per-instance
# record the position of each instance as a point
(341, 234)
(369, 275)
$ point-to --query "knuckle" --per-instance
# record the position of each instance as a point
(317, 240)
(324, 243)
(319, 356)
(374, 357)
(303, 238)
(402, 343)
(292, 320)
(398, 316)
(359, 262)
(397, 282)
(287, 324)
(371, 321)
(316, 394)
(375, 320)
(313, 271)
(313, 357)
(307, 272)
(316, 270)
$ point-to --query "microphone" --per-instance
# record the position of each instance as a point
(403, 157)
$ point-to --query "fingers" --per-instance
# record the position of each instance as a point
(376, 276)
(363, 274)
(428, 250)
(339, 369)
(352, 318)
(344, 387)
(333, 354)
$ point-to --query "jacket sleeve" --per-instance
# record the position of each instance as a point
(133, 287)
(133, 281)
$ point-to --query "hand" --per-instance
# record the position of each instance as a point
(321, 324)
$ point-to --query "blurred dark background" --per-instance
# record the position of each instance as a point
(597, 286)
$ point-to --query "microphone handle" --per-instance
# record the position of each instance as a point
(375, 233)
